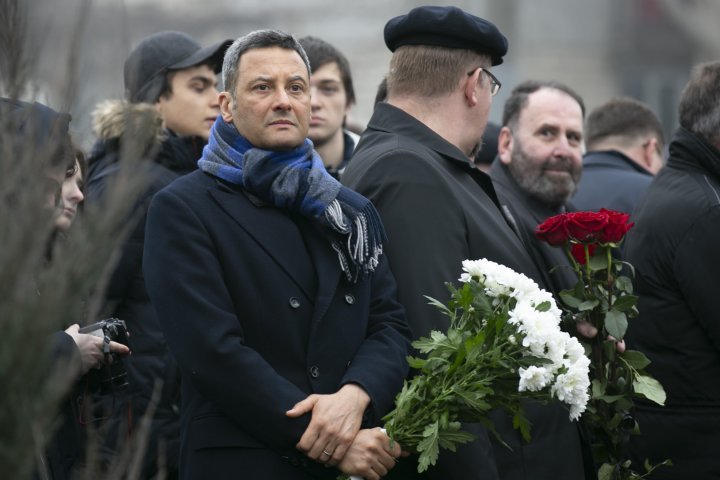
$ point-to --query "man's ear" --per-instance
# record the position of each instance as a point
(469, 89)
(648, 152)
(226, 105)
(505, 145)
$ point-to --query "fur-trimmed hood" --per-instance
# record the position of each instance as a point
(112, 119)
(140, 130)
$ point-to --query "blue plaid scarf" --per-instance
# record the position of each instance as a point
(296, 180)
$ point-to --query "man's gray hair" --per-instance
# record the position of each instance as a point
(699, 107)
(256, 39)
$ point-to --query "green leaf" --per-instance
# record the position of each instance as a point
(635, 359)
(570, 299)
(437, 340)
(625, 302)
(452, 436)
(588, 305)
(440, 306)
(609, 399)
(630, 267)
(606, 471)
(520, 422)
(609, 350)
(474, 400)
(598, 388)
(649, 388)
(616, 324)
(624, 284)
(543, 307)
(428, 447)
(598, 261)
(415, 363)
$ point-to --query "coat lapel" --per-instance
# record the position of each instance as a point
(273, 230)
(327, 267)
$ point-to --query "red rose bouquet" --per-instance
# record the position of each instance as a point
(603, 298)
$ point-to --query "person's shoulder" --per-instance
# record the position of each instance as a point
(188, 186)
(389, 165)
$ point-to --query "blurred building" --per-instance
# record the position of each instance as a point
(640, 48)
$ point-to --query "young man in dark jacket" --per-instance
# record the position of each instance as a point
(674, 248)
(625, 142)
(171, 103)
(333, 96)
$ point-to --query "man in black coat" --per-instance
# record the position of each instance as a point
(171, 103)
(674, 248)
(270, 284)
(538, 167)
(413, 162)
(624, 141)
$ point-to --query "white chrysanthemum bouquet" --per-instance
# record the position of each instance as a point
(504, 344)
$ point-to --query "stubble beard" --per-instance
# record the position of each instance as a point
(551, 191)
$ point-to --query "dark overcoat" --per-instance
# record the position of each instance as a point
(524, 213)
(126, 297)
(610, 180)
(258, 314)
(674, 248)
(438, 211)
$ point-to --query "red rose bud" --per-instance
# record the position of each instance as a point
(553, 230)
(586, 226)
(616, 227)
(578, 251)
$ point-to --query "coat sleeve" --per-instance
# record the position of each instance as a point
(380, 365)
(185, 282)
(427, 239)
(695, 267)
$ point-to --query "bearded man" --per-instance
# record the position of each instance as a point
(538, 166)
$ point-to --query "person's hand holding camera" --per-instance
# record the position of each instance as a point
(91, 348)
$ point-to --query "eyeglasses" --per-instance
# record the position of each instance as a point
(494, 82)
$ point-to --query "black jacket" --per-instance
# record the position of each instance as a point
(610, 180)
(167, 156)
(258, 314)
(675, 250)
(525, 213)
(438, 211)
(66, 449)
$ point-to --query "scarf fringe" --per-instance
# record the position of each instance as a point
(365, 234)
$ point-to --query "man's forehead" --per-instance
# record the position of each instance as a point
(550, 103)
(329, 71)
(267, 60)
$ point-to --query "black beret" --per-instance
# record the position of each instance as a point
(447, 27)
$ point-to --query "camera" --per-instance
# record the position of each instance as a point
(112, 376)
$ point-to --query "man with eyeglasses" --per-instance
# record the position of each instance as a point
(413, 162)
(538, 166)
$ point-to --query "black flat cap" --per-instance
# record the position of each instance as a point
(447, 27)
(162, 52)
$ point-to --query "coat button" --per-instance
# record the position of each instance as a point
(349, 298)
(295, 462)
(314, 371)
(294, 302)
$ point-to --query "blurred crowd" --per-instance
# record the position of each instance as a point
(274, 268)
